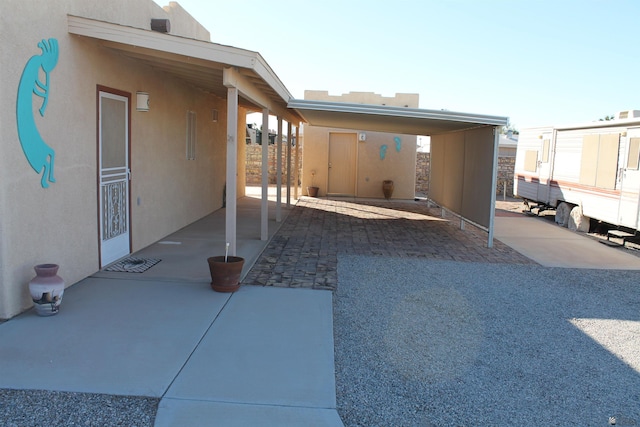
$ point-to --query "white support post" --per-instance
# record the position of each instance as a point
(232, 169)
(264, 217)
(279, 172)
(296, 178)
(494, 180)
(289, 141)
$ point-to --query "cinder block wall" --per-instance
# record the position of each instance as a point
(254, 164)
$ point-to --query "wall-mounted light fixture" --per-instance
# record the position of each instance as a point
(214, 115)
(362, 137)
(624, 133)
(142, 101)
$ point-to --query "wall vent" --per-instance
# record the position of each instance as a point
(161, 25)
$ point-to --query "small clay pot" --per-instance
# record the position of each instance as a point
(225, 276)
(313, 191)
(387, 188)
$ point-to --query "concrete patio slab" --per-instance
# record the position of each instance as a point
(121, 337)
(554, 246)
(187, 413)
(269, 346)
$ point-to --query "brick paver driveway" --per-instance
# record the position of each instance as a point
(304, 252)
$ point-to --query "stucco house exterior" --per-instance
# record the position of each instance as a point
(351, 162)
(114, 135)
(121, 123)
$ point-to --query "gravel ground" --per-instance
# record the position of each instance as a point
(444, 343)
(39, 408)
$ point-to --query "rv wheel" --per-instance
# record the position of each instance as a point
(577, 221)
(562, 214)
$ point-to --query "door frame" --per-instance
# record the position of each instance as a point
(629, 209)
(127, 95)
(544, 168)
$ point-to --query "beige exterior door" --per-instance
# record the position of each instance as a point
(342, 164)
(113, 170)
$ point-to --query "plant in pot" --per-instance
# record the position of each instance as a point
(312, 190)
(225, 272)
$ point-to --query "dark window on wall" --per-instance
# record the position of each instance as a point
(191, 135)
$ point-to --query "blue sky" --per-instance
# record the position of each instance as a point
(537, 62)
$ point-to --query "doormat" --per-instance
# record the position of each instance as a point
(133, 265)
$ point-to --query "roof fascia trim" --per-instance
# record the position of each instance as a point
(385, 110)
(208, 51)
(162, 42)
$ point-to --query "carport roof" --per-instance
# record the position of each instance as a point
(384, 118)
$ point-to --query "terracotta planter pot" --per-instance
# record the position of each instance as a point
(387, 188)
(313, 191)
(225, 276)
(46, 289)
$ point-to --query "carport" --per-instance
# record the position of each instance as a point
(464, 149)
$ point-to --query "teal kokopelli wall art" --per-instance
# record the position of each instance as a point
(41, 156)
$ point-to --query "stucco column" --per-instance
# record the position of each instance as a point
(279, 172)
(264, 213)
(289, 140)
(494, 181)
(232, 169)
(296, 178)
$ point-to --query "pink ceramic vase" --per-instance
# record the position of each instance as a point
(46, 289)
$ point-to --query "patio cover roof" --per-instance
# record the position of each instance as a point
(200, 63)
(383, 118)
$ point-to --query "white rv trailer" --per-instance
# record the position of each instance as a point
(586, 171)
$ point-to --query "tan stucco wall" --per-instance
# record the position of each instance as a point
(59, 224)
(410, 100)
(398, 166)
(183, 24)
(461, 176)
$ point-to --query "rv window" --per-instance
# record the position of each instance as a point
(608, 161)
(634, 154)
(599, 161)
(531, 160)
(545, 151)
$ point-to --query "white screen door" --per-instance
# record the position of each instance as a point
(113, 146)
